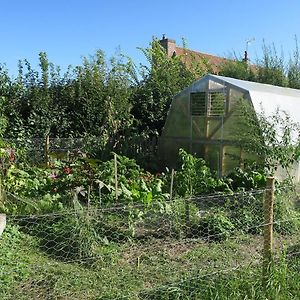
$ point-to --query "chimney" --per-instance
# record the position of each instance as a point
(169, 45)
(246, 59)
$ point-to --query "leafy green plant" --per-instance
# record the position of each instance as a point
(245, 211)
(216, 226)
(195, 178)
(165, 77)
(273, 138)
(183, 214)
(11, 258)
(246, 179)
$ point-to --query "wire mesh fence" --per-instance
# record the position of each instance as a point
(179, 249)
(37, 149)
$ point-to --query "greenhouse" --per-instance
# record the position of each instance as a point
(206, 119)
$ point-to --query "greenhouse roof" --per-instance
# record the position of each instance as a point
(265, 97)
(259, 87)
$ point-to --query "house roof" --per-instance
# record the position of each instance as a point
(190, 56)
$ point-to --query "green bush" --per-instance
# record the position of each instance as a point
(183, 215)
(195, 177)
(246, 211)
(247, 179)
(216, 226)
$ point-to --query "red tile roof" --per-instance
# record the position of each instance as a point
(190, 56)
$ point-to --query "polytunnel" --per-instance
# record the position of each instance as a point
(205, 119)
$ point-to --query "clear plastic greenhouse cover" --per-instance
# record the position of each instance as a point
(267, 99)
(205, 119)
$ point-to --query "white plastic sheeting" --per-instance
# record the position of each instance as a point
(268, 97)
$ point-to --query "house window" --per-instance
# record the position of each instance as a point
(197, 104)
(216, 104)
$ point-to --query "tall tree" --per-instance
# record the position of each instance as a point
(161, 79)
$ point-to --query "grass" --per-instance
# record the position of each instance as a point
(59, 257)
(159, 269)
(245, 283)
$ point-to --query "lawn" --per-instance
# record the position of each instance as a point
(152, 269)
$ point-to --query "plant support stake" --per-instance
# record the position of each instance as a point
(171, 185)
(116, 177)
(47, 147)
(268, 228)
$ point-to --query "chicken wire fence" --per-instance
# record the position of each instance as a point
(37, 149)
(168, 250)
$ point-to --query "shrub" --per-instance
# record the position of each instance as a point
(216, 226)
(246, 211)
(195, 178)
(247, 179)
(183, 215)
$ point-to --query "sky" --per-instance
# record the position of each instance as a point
(68, 30)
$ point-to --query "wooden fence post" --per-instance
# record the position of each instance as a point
(268, 228)
(187, 213)
(47, 147)
(89, 198)
(171, 185)
(116, 177)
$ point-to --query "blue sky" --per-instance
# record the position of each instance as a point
(68, 30)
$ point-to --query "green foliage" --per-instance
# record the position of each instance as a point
(89, 99)
(184, 215)
(273, 139)
(246, 211)
(285, 209)
(271, 68)
(238, 69)
(161, 80)
(294, 68)
(100, 96)
(214, 226)
(246, 179)
(113, 100)
(11, 258)
(90, 181)
(195, 178)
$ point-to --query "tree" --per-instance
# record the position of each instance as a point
(99, 103)
(271, 68)
(294, 68)
(160, 81)
(238, 69)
